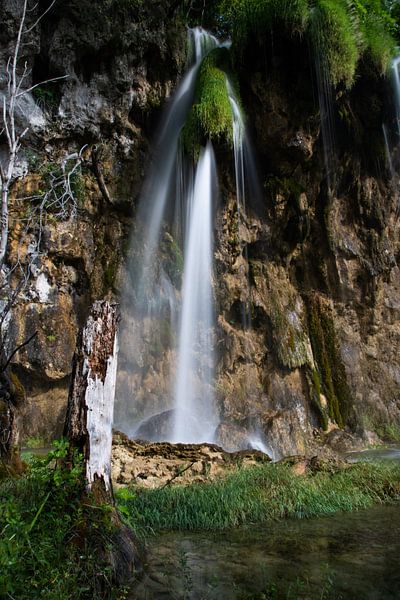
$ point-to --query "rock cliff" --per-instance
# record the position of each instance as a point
(319, 244)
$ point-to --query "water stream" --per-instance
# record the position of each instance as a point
(350, 556)
(170, 315)
(195, 418)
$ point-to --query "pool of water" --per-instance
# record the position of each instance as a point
(374, 454)
(348, 555)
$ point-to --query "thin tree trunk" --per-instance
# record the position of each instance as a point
(89, 425)
(91, 398)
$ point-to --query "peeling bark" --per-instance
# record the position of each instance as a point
(88, 426)
(91, 400)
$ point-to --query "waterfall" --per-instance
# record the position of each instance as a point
(195, 417)
(157, 188)
(396, 84)
(151, 311)
(166, 389)
(240, 145)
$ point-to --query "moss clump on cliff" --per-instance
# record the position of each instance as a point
(334, 40)
(249, 17)
(314, 382)
(340, 31)
(329, 362)
(211, 114)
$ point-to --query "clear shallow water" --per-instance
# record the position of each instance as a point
(348, 555)
(374, 454)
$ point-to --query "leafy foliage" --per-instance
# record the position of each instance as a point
(257, 494)
(48, 535)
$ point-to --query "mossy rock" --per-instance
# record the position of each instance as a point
(326, 350)
(18, 393)
(210, 117)
(341, 32)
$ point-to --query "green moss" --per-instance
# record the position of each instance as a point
(172, 259)
(334, 40)
(109, 276)
(329, 362)
(211, 115)
(247, 18)
(339, 31)
(316, 390)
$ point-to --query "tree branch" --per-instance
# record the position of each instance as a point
(99, 175)
(14, 352)
(40, 84)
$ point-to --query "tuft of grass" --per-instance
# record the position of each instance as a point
(258, 494)
(211, 115)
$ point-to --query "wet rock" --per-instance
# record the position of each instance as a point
(232, 437)
(158, 464)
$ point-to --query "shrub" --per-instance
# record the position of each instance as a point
(49, 535)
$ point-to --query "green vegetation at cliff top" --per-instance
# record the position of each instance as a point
(340, 32)
(258, 494)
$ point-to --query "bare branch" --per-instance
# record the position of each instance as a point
(14, 352)
(41, 17)
(40, 84)
(99, 175)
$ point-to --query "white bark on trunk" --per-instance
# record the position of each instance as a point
(91, 399)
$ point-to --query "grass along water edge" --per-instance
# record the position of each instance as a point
(259, 494)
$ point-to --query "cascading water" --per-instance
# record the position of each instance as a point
(151, 311)
(175, 217)
(396, 84)
(195, 416)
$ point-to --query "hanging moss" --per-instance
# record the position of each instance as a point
(329, 362)
(334, 40)
(316, 381)
(257, 17)
(340, 31)
(211, 115)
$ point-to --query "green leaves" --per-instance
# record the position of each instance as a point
(49, 534)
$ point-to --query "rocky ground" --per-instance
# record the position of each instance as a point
(155, 465)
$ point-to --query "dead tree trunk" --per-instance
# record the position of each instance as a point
(91, 399)
(89, 425)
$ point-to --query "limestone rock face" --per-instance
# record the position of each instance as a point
(313, 264)
(121, 64)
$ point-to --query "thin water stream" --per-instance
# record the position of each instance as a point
(352, 556)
